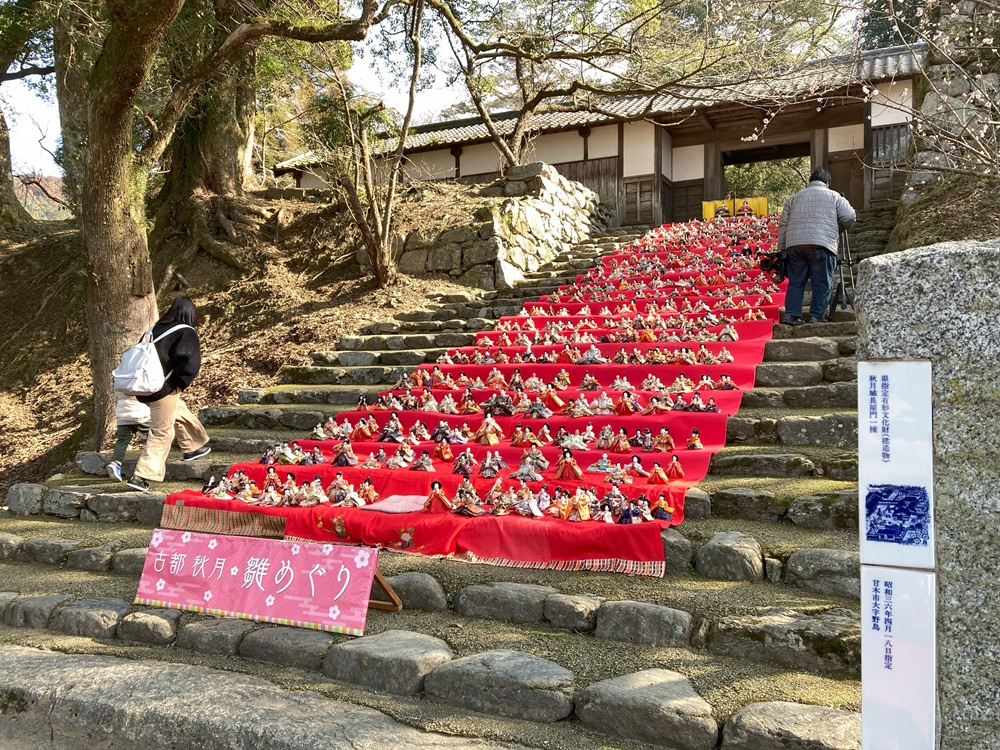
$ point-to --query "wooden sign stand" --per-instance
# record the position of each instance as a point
(395, 604)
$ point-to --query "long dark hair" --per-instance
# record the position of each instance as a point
(182, 310)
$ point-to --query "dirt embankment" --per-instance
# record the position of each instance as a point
(300, 290)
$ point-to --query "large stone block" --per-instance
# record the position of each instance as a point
(791, 726)
(64, 504)
(829, 430)
(515, 602)
(25, 499)
(640, 622)
(655, 705)
(444, 258)
(572, 611)
(413, 261)
(730, 556)
(763, 465)
(221, 636)
(129, 561)
(508, 683)
(93, 558)
(800, 350)
(115, 507)
(33, 611)
(697, 504)
(827, 642)
(396, 661)
(290, 647)
(831, 510)
(677, 550)
(774, 374)
(92, 618)
(419, 591)
(826, 571)
(157, 627)
(9, 545)
(746, 502)
(48, 550)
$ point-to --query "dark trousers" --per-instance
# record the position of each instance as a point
(123, 437)
(815, 265)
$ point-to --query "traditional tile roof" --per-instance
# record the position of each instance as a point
(815, 77)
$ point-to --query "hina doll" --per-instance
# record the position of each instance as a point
(393, 430)
(636, 469)
(605, 438)
(447, 405)
(424, 463)
(537, 459)
(551, 400)
(603, 404)
(561, 382)
(589, 383)
(657, 475)
(694, 441)
(437, 501)
(418, 432)
(674, 470)
(660, 509)
(367, 492)
(465, 463)
(603, 465)
(344, 455)
(489, 432)
(526, 471)
(567, 467)
(620, 444)
(663, 442)
(442, 450)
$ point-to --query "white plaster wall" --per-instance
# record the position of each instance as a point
(847, 138)
(603, 142)
(666, 154)
(689, 163)
(555, 148)
(430, 165)
(893, 104)
(314, 180)
(640, 138)
(479, 159)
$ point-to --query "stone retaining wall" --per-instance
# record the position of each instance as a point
(528, 217)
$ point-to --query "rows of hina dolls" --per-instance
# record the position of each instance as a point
(601, 402)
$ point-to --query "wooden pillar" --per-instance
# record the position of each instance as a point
(819, 149)
(621, 173)
(869, 156)
(658, 217)
(713, 172)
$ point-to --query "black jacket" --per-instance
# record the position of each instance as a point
(180, 355)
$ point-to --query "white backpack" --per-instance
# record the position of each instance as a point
(140, 372)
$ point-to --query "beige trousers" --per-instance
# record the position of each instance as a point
(169, 415)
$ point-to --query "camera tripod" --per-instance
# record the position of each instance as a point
(840, 295)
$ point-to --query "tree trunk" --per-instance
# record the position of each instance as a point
(12, 213)
(120, 298)
(71, 48)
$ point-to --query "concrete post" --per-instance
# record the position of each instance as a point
(942, 303)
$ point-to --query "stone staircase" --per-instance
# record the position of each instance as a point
(759, 604)
(870, 233)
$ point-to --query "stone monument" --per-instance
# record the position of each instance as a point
(942, 303)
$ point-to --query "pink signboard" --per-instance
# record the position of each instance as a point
(303, 584)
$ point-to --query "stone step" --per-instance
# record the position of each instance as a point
(828, 395)
(271, 417)
(305, 395)
(785, 374)
(755, 461)
(406, 342)
(838, 331)
(359, 376)
(793, 427)
(801, 349)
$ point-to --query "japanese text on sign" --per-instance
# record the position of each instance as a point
(321, 586)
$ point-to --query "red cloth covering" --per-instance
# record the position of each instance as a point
(511, 539)
(528, 542)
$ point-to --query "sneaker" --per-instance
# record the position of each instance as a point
(202, 451)
(115, 471)
(138, 483)
(793, 322)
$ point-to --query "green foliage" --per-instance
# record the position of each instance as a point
(887, 23)
(777, 180)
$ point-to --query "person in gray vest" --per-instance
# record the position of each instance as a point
(811, 223)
